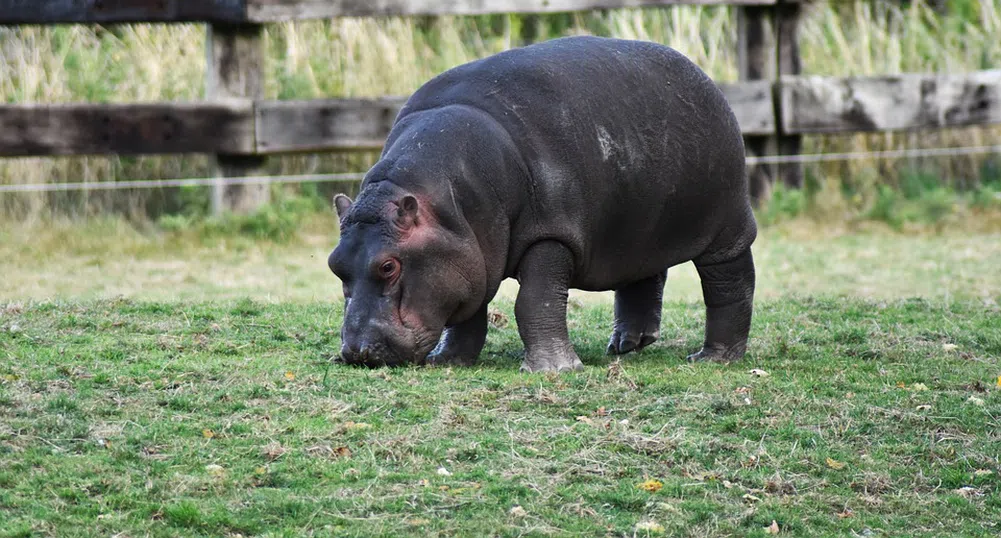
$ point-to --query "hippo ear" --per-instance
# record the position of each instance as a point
(406, 212)
(341, 204)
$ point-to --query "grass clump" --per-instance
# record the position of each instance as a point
(920, 202)
(279, 221)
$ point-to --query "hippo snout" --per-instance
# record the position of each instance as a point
(372, 355)
(374, 352)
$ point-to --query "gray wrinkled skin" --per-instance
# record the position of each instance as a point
(583, 162)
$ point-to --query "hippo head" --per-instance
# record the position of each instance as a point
(405, 275)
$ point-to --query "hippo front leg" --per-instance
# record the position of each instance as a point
(461, 344)
(541, 308)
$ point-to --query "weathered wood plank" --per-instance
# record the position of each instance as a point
(812, 104)
(756, 62)
(235, 58)
(282, 10)
(148, 128)
(109, 11)
(363, 124)
(751, 102)
(787, 16)
(325, 125)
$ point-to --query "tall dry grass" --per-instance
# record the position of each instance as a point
(393, 56)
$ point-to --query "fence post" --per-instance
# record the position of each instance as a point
(756, 61)
(236, 70)
(789, 63)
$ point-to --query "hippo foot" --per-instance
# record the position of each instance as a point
(623, 341)
(561, 361)
(448, 359)
(718, 354)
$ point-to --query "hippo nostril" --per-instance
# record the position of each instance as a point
(349, 354)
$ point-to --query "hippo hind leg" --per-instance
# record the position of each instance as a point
(637, 315)
(728, 292)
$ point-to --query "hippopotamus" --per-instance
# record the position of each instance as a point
(580, 162)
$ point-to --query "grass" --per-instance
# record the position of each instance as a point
(372, 57)
(181, 384)
(109, 257)
(878, 418)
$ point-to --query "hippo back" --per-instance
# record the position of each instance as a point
(630, 149)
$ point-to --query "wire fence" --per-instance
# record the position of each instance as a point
(358, 176)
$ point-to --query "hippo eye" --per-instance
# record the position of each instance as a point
(388, 269)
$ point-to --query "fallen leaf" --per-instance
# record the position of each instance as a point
(215, 470)
(999, 380)
(497, 319)
(261, 470)
(975, 401)
(355, 426)
(424, 482)
(949, 347)
(918, 387)
(773, 528)
(667, 507)
(759, 373)
(601, 412)
(290, 376)
(967, 492)
(320, 450)
(443, 471)
(900, 384)
(517, 511)
(846, 514)
(742, 390)
(273, 451)
(443, 488)
(834, 464)
(653, 486)
(616, 371)
(343, 452)
(208, 434)
(650, 527)
(585, 420)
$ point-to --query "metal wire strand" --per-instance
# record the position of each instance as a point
(348, 177)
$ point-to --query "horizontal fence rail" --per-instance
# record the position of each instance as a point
(808, 104)
(354, 177)
(263, 11)
(813, 104)
(128, 129)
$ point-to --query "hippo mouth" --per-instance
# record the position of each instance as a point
(381, 355)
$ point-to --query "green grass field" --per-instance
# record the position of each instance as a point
(878, 418)
(165, 385)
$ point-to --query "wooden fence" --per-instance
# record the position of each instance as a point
(774, 104)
